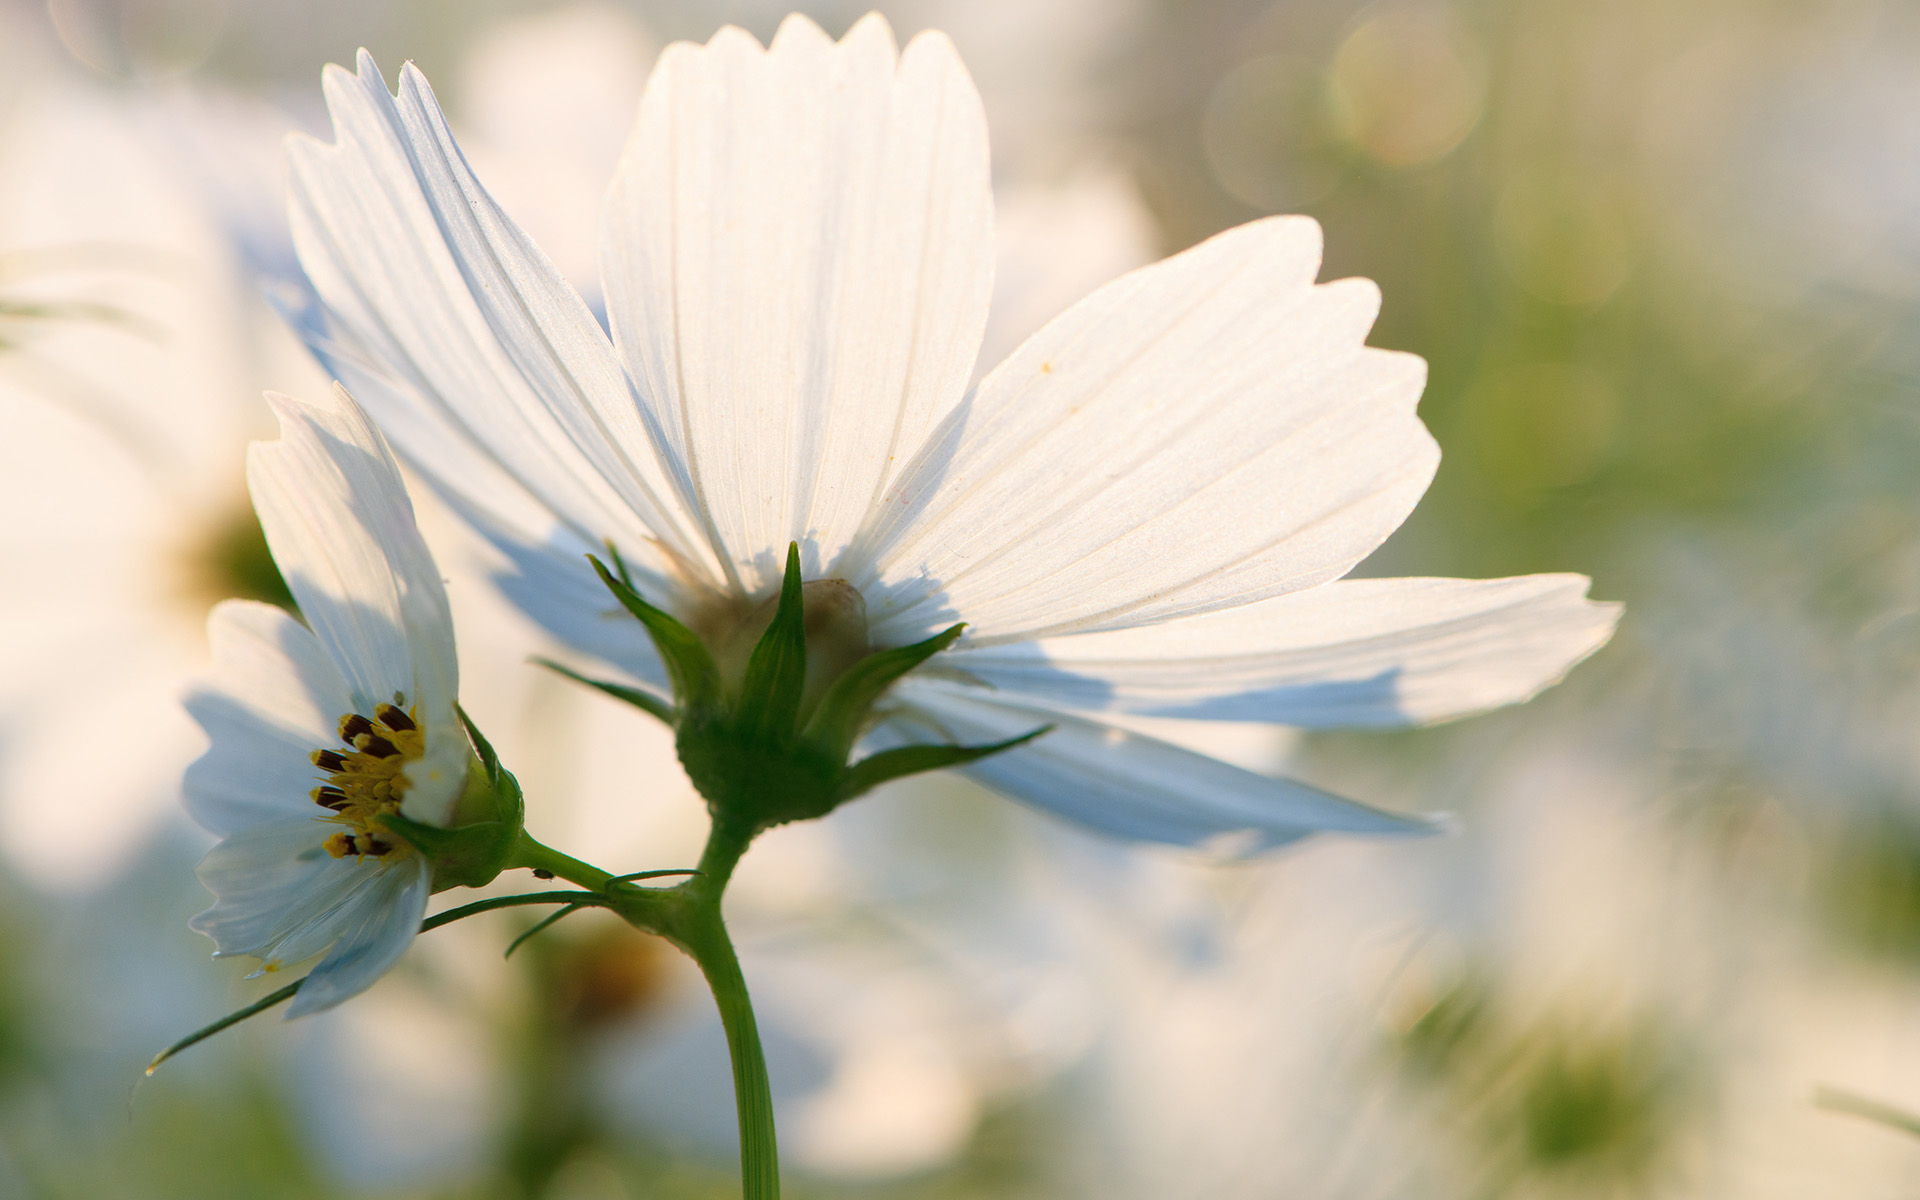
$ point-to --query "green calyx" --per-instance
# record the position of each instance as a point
(485, 829)
(769, 704)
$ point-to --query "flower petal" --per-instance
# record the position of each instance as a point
(1125, 784)
(276, 891)
(272, 699)
(1352, 652)
(375, 930)
(427, 283)
(341, 528)
(553, 585)
(1202, 433)
(798, 258)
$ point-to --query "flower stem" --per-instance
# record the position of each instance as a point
(535, 856)
(689, 916)
(704, 937)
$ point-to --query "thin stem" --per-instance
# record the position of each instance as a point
(705, 938)
(537, 857)
(689, 916)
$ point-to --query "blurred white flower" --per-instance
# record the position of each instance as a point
(1141, 510)
(361, 698)
(122, 438)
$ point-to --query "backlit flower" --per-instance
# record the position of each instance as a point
(319, 729)
(1146, 509)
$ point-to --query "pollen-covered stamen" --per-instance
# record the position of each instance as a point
(367, 779)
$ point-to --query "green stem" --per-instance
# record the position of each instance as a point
(704, 937)
(534, 856)
(689, 916)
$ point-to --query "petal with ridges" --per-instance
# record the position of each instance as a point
(341, 528)
(798, 255)
(1202, 433)
(1349, 653)
(276, 891)
(375, 931)
(1125, 784)
(424, 281)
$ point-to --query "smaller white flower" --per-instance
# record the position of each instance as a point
(319, 729)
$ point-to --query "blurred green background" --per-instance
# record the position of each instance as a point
(1662, 260)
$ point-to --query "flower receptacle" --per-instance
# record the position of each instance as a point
(770, 701)
(484, 828)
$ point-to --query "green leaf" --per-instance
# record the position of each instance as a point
(690, 665)
(544, 923)
(494, 903)
(843, 710)
(574, 900)
(876, 769)
(646, 702)
(1835, 1100)
(233, 1018)
(777, 672)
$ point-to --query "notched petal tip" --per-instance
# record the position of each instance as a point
(800, 33)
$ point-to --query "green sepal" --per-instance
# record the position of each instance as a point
(690, 666)
(776, 675)
(464, 856)
(495, 795)
(646, 702)
(876, 769)
(837, 722)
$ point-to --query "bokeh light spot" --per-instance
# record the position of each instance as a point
(1407, 84)
(1565, 234)
(1262, 134)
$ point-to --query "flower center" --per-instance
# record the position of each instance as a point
(836, 628)
(367, 779)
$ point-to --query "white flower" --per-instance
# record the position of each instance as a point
(121, 440)
(1145, 510)
(318, 729)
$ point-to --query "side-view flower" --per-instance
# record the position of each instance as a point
(772, 503)
(328, 727)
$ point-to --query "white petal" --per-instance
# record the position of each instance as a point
(1125, 784)
(341, 528)
(1202, 433)
(426, 282)
(277, 891)
(272, 699)
(1352, 652)
(375, 931)
(798, 258)
(553, 585)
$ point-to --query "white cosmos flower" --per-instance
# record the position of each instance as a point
(1146, 509)
(317, 728)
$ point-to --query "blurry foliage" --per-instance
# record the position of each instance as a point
(1566, 1097)
(1734, 460)
(232, 560)
(1868, 886)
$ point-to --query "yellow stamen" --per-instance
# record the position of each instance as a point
(367, 779)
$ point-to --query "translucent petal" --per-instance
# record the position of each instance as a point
(798, 257)
(472, 349)
(341, 529)
(375, 930)
(1351, 652)
(1202, 433)
(1125, 784)
(277, 891)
